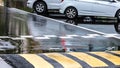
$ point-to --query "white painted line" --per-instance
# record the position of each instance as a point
(87, 37)
(110, 35)
(41, 38)
(65, 37)
(73, 35)
(50, 35)
(26, 36)
(4, 37)
(91, 36)
(18, 38)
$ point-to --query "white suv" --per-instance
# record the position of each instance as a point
(73, 8)
(42, 6)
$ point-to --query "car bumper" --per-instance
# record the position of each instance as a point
(30, 4)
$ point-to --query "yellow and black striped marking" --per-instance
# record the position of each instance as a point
(111, 59)
(65, 60)
(92, 61)
(36, 61)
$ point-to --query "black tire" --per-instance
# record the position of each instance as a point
(118, 15)
(40, 7)
(71, 13)
(117, 25)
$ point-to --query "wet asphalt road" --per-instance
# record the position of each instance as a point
(50, 34)
(3, 64)
(15, 61)
(105, 27)
(55, 33)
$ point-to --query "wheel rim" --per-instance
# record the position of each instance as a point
(40, 7)
(71, 13)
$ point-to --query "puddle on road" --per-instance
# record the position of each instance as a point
(16, 23)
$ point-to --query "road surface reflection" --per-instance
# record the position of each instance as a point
(36, 34)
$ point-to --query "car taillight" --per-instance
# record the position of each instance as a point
(62, 0)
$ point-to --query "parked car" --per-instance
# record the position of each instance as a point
(74, 8)
(42, 6)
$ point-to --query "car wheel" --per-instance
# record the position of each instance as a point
(118, 15)
(71, 12)
(117, 27)
(40, 7)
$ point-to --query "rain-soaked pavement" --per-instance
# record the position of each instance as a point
(32, 33)
(24, 32)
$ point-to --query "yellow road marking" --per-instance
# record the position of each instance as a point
(64, 61)
(110, 57)
(36, 61)
(94, 62)
(116, 52)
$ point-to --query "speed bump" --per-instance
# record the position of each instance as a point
(92, 61)
(74, 60)
(36, 61)
(111, 59)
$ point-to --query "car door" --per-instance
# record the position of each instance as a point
(84, 7)
(53, 4)
(103, 8)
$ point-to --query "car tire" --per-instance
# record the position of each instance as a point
(71, 12)
(40, 7)
(118, 15)
(117, 25)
